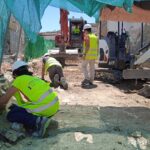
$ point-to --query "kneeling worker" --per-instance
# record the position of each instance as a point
(54, 69)
(36, 101)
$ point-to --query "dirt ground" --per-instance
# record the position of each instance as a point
(105, 117)
(104, 93)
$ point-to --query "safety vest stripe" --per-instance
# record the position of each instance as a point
(42, 108)
(43, 96)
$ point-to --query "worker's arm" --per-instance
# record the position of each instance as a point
(43, 71)
(5, 98)
(87, 44)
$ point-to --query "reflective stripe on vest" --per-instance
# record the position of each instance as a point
(92, 53)
(40, 99)
(43, 96)
(42, 108)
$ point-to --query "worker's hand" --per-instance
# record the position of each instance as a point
(44, 80)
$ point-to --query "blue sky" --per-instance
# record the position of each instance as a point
(50, 19)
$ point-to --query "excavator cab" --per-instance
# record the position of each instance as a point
(76, 34)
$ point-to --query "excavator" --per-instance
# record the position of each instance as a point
(68, 38)
(116, 55)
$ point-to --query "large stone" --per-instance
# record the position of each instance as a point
(11, 136)
(136, 134)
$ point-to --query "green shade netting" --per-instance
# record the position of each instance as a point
(4, 19)
(37, 49)
(29, 12)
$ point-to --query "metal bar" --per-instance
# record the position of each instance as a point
(143, 48)
(142, 28)
(100, 30)
(122, 27)
(117, 49)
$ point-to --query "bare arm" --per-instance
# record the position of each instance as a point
(5, 98)
(87, 44)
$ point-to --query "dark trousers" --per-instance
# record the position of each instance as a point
(53, 70)
(20, 115)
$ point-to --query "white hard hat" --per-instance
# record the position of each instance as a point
(18, 64)
(87, 26)
(46, 54)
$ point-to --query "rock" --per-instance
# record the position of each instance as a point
(7, 145)
(8, 76)
(79, 136)
(11, 136)
(4, 85)
(53, 124)
(143, 142)
(139, 143)
(119, 142)
(136, 134)
(117, 128)
(132, 141)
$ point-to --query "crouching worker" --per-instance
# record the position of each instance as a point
(36, 101)
(54, 69)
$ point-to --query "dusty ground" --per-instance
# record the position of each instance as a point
(103, 94)
(106, 117)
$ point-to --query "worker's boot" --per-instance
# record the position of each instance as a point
(42, 125)
(56, 81)
(63, 83)
(85, 83)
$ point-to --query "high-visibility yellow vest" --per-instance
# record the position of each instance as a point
(76, 31)
(42, 100)
(92, 53)
(51, 62)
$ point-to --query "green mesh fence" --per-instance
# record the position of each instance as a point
(37, 49)
(4, 19)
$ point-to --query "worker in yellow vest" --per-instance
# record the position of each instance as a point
(90, 54)
(76, 30)
(51, 66)
(36, 101)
